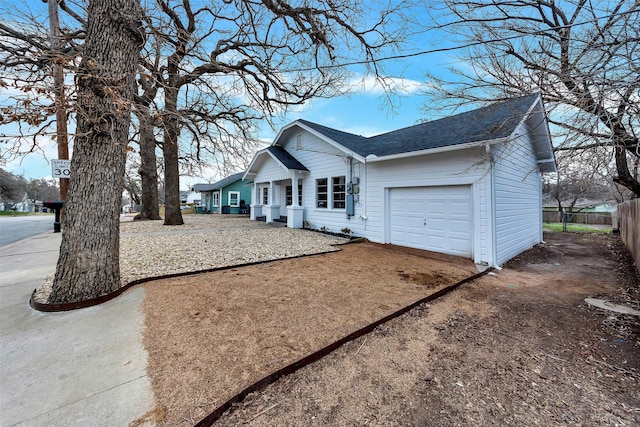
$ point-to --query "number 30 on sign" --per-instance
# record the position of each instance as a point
(60, 168)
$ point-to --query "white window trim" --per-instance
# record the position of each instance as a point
(328, 193)
(333, 201)
(299, 194)
(330, 200)
(215, 199)
(237, 193)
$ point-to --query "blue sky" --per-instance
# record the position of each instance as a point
(363, 112)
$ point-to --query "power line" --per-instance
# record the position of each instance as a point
(464, 46)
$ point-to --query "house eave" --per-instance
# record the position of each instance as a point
(448, 148)
(266, 151)
(337, 145)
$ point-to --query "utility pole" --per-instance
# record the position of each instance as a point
(58, 87)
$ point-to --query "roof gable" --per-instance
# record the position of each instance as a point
(493, 122)
(487, 125)
(346, 139)
(280, 155)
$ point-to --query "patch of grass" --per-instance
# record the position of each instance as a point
(579, 228)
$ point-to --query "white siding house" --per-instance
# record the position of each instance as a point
(466, 185)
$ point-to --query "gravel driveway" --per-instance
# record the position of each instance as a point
(149, 248)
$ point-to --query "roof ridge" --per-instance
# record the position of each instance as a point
(490, 122)
(475, 111)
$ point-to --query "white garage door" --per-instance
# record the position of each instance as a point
(432, 218)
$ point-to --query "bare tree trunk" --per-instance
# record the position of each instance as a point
(148, 169)
(172, 213)
(625, 177)
(89, 261)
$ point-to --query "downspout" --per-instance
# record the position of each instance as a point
(540, 222)
(492, 222)
(366, 192)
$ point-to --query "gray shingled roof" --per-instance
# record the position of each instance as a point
(345, 138)
(218, 185)
(484, 124)
(285, 158)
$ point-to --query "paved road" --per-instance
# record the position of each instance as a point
(14, 228)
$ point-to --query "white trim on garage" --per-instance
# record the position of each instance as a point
(435, 218)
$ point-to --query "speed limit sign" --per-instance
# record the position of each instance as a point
(60, 168)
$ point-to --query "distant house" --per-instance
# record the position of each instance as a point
(229, 195)
(23, 205)
(189, 197)
(579, 206)
(467, 185)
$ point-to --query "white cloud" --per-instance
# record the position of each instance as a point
(398, 86)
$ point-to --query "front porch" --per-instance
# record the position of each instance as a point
(279, 201)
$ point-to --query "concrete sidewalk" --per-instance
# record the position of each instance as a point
(79, 368)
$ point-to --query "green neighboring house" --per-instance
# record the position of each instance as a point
(231, 195)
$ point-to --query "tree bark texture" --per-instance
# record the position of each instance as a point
(89, 261)
(172, 213)
(148, 169)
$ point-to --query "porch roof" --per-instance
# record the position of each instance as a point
(281, 156)
(287, 160)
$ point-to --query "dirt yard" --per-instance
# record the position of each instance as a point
(518, 347)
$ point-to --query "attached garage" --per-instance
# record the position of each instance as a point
(467, 185)
(435, 218)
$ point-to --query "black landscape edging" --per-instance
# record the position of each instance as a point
(293, 367)
(50, 308)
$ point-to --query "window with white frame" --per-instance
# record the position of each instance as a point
(289, 191)
(338, 191)
(234, 199)
(322, 193)
(215, 198)
(265, 196)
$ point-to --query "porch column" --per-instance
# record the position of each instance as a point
(273, 208)
(294, 190)
(256, 207)
(220, 202)
(295, 212)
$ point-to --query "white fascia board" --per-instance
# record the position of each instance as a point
(548, 146)
(283, 129)
(323, 137)
(258, 154)
(373, 158)
(253, 161)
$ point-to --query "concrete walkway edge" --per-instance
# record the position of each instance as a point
(80, 368)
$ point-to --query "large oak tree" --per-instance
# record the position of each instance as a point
(88, 265)
(583, 56)
(228, 65)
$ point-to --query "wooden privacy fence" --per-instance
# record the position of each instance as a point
(629, 220)
(598, 218)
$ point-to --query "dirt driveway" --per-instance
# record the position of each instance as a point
(516, 348)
